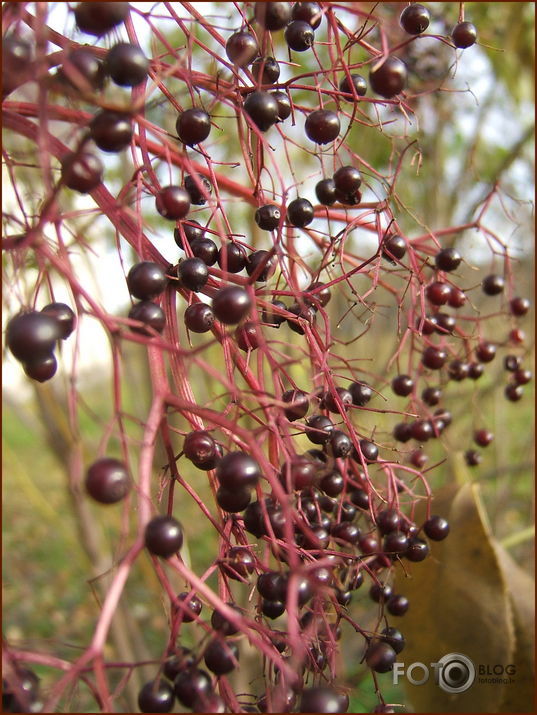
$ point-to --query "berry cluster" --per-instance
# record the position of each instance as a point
(315, 501)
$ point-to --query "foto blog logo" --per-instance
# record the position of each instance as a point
(454, 673)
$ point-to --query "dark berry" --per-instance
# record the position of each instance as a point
(298, 404)
(193, 606)
(146, 280)
(173, 202)
(319, 429)
(300, 473)
(32, 335)
(388, 520)
(268, 217)
(361, 393)
(192, 274)
(237, 470)
(191, 684)
(163, 536)
(198, 188)
(126, 64)
(156, 696)
(464, 34)
(458, 370)
(457, 298)
(436, 528)
(41, 368)
(332, 484)
(415, 19)
(434, 358)
(272, 585)
(64, 317)
(447, 259)
(438, 292)
(151, 315)
(232, 258)
(426, 325)
(317, 293)
(519, 306)
(177, 663)
(472, 457)
(395, 542)
(417, 550)
(431, 396)
(81, 68)
(299, 35)
(241, 48)
(272, 609)
(475, 370)
(370, 451)
(347, 180)
(325, 190)
(272, 15)
(493, 285)
(522, 377)
(394, 638)
(271, 316)
(357, 82)
(397, 605)
(309, 12)
(247, 336)
(421, 430)
(98, 18)
(368, 544)
(340, 445)
(394, 247)
(111, 131)
(284, 104)
(260, 264)
(107, 480)
(239, 563)
(485, 352)
(322, 126)
(328, 401)
(233, 500)
(300, 213)
(380, 592)
(199, 317)
(517, 336)
(380, 657)
(205, 249)
(402, 385)
(512, 362)
(346, 532)
(402, 432)
(320, 699)
(193, 126)
(201, 449)
(514, 392)
(262, 108)
(388, 77)
(418, 458)
(266, 70)
(360, 498)
(231, 304)
(304, 312)
(222, 624)
(483, 437)
(82, 172)
(445, 323)
(192, 231)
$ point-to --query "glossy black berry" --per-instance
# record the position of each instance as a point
(394, 247)
(82, 172)
(272, 609)
(402, 432)
(156, 696)
(300, 213)
(431, 396)
(192, 606)
(394, 638)
(320, 699)
(201, 449)
(146, 280)
(192, 230)
(493, 285)
(82, 68)
(233, 500)
(438, 292)
(436, 528)
(271, 316)
(199, 317)
(457, 297)
(126, 64)
(198, 188)
(268, 217)
(239, 563)
(298, 404)
(522, 377)
(266, 70)
(272, 585)
(357, 82)
(163, 536)
(347, 180)
(173, 202)
(231, 304)
(360, 498)
(417, 549)
(41, 368)
(192, 684)
(111, 131)
(361, 393)
(434, 358)
(262, 108)
(182, 659)
(325, 190)
(237, 470)
(464, 34)
(205, 249)
(322, 126)
(98, 18)
(340, 445)
(232, 258)
(483, 437)
(380, 657)
(519, 306)
(247, 336)
(260, 264)
(272, 15)
(150, 314)
(485, 351)
(32, 335)
(347, 532)
(317, 293)
(222, 624)
(397, 605)
(388, 77)
(193, 126)
(421, 430)
(299, 35)
(319, 429)
(395, 542)
(388, 520)
(415, 19)
(64, 317)
(284, 104)
(458, 370)
(472, 457)
(445, 323)
(309, 12)
(514, 392)
(402, 385)
(447, 259)
(511, 363)
(241, 48)
(328, 400)
(107, 480)
(370, 451)
(334, 483)
(192, 274)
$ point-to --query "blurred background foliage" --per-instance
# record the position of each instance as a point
(466, 141)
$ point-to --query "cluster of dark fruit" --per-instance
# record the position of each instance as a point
(32, 337)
